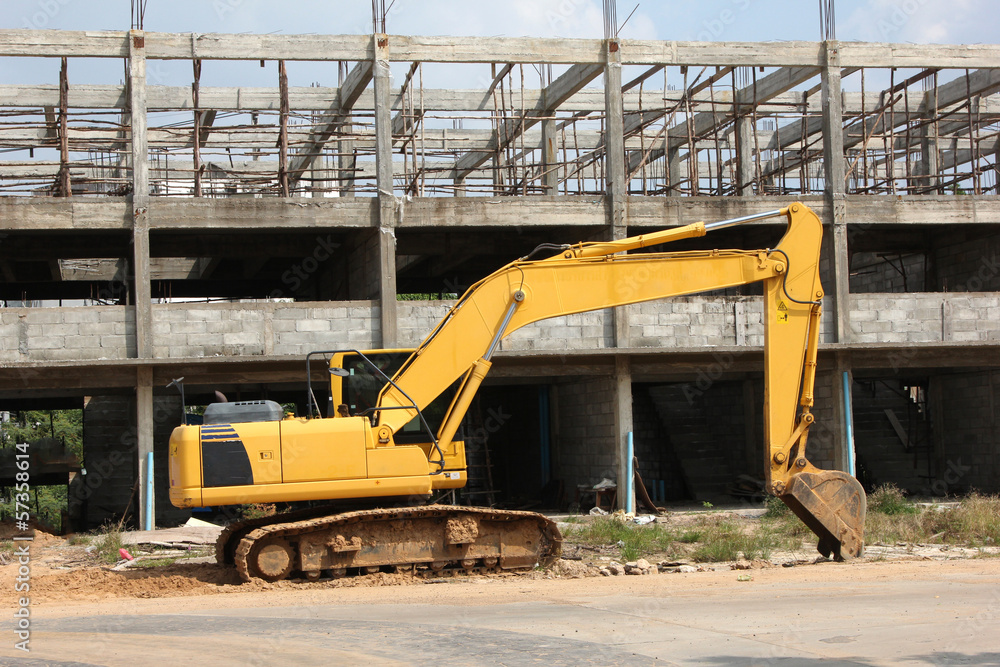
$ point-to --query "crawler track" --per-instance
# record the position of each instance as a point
(436, 539)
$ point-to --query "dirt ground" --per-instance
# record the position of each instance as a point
(63, 572)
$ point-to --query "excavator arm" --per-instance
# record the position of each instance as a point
(592, 276)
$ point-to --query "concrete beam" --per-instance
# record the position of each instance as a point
(168, 98)
(589, 212)
(56, 43)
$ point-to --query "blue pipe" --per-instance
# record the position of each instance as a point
(849, 425)
(629, 480)
(149, 491)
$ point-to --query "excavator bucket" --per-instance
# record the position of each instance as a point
(833, 505)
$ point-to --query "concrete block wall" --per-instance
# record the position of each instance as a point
(64, 334)
(583, 331)
(968, 265)
(825, 433)
(109, 445)
(925, 317)
(364, 272)
(416, 319)
(584, 445)
(969, 414)
(657, 460)
(246, 329)
(700, 321)
(184, 330)
(872, 273)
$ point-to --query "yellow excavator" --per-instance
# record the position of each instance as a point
(252, 453)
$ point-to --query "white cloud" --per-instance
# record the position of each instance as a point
(923, 21)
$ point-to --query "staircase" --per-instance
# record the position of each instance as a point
(892, 436)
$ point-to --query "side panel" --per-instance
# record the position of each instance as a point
(225, 463)
(324, 449)
(230, 450)
(398, 461)
(185, 467)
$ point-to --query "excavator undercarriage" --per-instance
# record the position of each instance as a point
(429, 540)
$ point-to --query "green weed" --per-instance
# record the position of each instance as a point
(889, 499)
(258, 510)
(108, 543)
(775, 508)
(633, 541)
(726, 540)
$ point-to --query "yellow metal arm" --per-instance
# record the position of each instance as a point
(592, 276)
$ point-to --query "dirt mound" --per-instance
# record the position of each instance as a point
(180, 579)
(44, 535)
(98, 583)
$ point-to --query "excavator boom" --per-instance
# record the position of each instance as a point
(591, 276)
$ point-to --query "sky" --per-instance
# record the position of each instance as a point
(913, 21)
(917, 21)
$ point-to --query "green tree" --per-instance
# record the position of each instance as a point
(29, 426)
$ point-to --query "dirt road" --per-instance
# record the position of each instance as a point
(866, 613)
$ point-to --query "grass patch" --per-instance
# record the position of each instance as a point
(79, 540)
(727, 540)
(157, 562)
(891, 519)
(888, 499)
(108, 543)
(258, 510)
(689, 536)
(974, 521)
(775, 508)
(633, 541)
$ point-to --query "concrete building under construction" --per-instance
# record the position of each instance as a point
(220, 232)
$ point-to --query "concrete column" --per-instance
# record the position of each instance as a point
(144, 437)
(745, 163)
(623, 422)
(673, 167)
(140, 194)
(835, 170)
(617, 206)
(834, 165)
(550, 156)
(617, 186)
(928, 166)
(386, 200)
(346, 160)
(140, 257)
